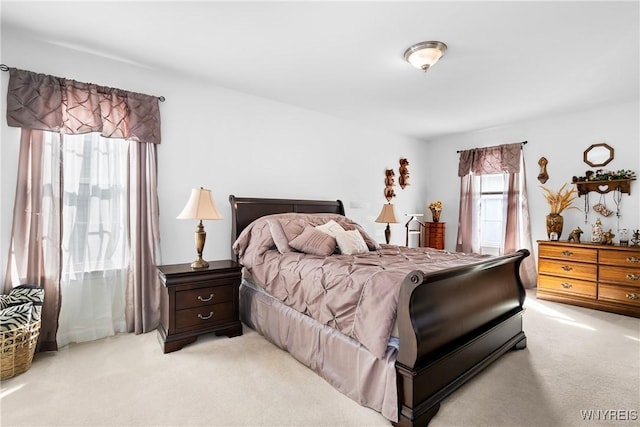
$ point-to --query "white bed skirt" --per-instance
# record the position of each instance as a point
(340, 360)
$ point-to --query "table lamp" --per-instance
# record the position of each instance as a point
(200, 206)
(388, 215)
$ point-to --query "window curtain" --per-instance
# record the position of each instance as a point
(37, 103)
(506, 159)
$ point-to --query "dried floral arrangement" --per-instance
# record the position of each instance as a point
(435, 206)
(561, 199)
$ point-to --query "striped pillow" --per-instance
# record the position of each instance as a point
(15, 317)
(27, 293)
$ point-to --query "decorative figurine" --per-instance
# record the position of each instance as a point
(635, 240)
(596, 232)
(607, 238)
(574, 236)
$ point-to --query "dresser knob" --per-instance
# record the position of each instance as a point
(567, 253)
(567, 268)
(632, 297)
(209, 316)
(633, 259)
(205, 299)
(566, 285)
(633, 276)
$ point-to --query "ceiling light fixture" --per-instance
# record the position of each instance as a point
(424, 55)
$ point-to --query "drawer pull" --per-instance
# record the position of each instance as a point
(207, 317)
(205, 299)
(566, 285)
(633, 276)
(633, 259)
(632, 297)
(567, 268)
(567, 253)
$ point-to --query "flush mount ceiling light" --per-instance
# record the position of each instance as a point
(424, 54)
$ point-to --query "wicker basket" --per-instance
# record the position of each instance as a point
(17, 349)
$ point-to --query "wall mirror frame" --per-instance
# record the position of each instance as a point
(598, 154)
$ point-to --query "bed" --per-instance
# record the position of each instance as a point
(449, 324)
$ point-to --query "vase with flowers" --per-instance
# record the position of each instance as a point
(558, 202)
(436, 209)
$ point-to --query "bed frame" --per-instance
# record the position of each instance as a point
(452, 324)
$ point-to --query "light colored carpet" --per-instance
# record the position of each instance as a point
(577, 360)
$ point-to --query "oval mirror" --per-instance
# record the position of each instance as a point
(598, 155)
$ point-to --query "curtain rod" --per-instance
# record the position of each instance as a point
(523, 142)
(5, 68)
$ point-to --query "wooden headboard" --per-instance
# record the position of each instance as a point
(245, 210)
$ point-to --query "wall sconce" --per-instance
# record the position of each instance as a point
(200, 206)
(388, 215)
(404, 173)
(424, 55)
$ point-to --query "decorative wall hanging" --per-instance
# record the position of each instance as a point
(543, 176)
(404, 173)
(389, 183)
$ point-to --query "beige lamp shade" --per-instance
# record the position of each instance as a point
(200, 206)
(387, 214)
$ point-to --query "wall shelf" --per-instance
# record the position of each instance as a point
(603, 187)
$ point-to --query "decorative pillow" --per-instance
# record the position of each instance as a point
(27, 293)
(279, 237)
(16, 316)
(314, 242)
(351, 242)
(332, 228)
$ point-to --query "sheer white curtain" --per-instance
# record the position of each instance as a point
(94, 246)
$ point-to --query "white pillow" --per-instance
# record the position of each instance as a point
(331, 228)
(351, 242)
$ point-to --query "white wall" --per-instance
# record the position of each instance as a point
(231, 142)
(562, 140)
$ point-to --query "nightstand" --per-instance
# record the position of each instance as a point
(198, 301)
(434, 235)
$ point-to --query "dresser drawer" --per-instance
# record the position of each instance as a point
(203, 317)
(567, 286)
(569, 253)
(204, 296)
(619, 275)
(619, 294)
(621, 258)
(573, 270)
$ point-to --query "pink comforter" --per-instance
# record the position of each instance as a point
(355, 294)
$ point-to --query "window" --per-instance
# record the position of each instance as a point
(94, 240)
(491, 213)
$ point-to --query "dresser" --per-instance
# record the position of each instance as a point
(590, 275)
(434, 235)
(198, 301)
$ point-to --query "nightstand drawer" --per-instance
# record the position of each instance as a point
(619, 294)
(567, 286)
(573, 270)
(204, 296)
(569, 253)
(620, 275)
(203, 317)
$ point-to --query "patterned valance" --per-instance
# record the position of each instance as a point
(44, 102)
(489, 160)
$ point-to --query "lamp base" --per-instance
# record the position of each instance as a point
(199, 263)
(387, 234)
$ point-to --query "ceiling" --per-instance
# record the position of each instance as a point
(507, 60)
